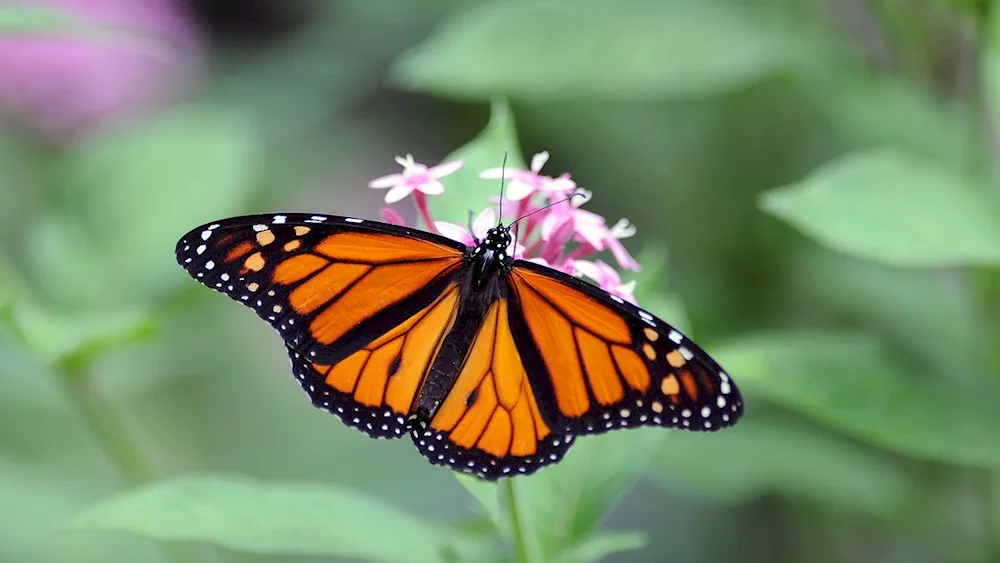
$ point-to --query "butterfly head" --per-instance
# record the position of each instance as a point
(491, 256)
(497, 241)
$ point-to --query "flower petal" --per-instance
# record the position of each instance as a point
(454, 232)
(588, 269)
(386, 181)
(445, 169)
(517, 190)
(623, 229)
(486, 220)
(496, 173)
(398, 192)
(539, 160)
(431, 187)
(621, 254)
(390, 216)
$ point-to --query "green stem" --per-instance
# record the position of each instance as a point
(988, 287)
(522, 552)
(109, 430)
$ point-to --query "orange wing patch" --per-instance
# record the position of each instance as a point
(489, 423)
(373, 247)
(386, 375)
(614, 366)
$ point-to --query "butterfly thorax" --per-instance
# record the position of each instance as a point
(489, 256)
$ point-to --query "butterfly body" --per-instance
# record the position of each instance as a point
(492, 365)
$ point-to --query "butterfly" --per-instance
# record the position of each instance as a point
(493, 366)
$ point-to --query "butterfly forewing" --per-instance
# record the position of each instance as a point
(362, 310)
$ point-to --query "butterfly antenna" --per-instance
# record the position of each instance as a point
(503, 176)
(543, 208)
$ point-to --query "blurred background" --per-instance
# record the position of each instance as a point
(813, 183)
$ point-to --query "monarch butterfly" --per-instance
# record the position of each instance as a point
(492, 365)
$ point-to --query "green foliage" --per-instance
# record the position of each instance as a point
(271, 518)
(864, 337)
(847, 381)
(95, 248)
(547, 51)
(887, 206)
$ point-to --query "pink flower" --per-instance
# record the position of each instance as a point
(524, 183)
(486, 220)
(567, 221)
(117, 59)
(607, 278)
(415, 177)
(552, 229)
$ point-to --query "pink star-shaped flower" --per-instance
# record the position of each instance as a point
(523, 183)
(415, 177)
(606, 277)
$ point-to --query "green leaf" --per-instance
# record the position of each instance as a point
(464, 190)
(849, 383)
(567, 502)
(771, 455)
(892, 207)
(71, 338)
(244, 515)
(485, 494)
(127, 196)
(879, 111)
(649, 289)
(573, 49)
(599, 546)
(927, 312)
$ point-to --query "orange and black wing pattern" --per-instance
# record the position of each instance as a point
(490, 422)
(363, 306)
(598, 363)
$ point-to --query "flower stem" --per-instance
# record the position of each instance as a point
(109, 430)
(522, 553)
(420, 200)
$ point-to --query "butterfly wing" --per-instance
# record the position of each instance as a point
(490, 423)
(362, 306)
(598, 363)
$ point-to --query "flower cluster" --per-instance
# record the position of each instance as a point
(558, 232)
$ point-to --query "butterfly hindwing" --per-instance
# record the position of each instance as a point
(489, 422)
(362, 306)
(601, 363)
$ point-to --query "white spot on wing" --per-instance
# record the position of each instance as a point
(260, 228)
(201, 249)
(206, 234)
(353, 220)
(675, 337)
(278, 219)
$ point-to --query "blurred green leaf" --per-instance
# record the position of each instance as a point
(569, 49)
(892, 207)
(130, 194)
(567, 502)
(599, 546)
(880, 111)
(270, 518)
(848, 383)
(465, 191)
(71, 338)
(928, 312)
(651, 292)
(485, 494)
(767, 455)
